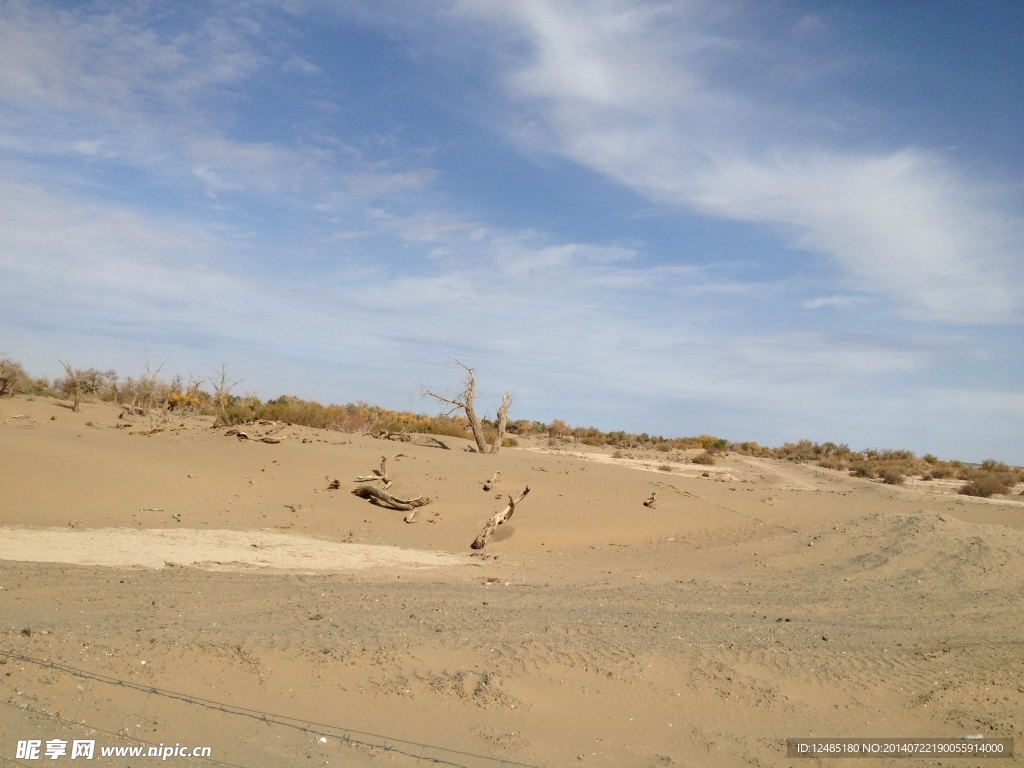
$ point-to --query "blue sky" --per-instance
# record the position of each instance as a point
(763, 220)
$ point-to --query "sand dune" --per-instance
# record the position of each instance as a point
(766, 600)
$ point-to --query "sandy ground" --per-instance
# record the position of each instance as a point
(162, 582)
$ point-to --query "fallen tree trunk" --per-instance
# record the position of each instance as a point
(481, 541)
(384, 499)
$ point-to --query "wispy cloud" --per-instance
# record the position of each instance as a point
(645, 94)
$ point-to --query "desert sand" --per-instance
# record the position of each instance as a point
(164, 582)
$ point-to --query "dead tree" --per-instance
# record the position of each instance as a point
(73, 384)
(222, 391)
(384, 499)
(465, 402)
(481, 541)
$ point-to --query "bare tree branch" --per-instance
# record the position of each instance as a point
(481, 541)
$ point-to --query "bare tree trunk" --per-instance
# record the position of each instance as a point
(506, 401)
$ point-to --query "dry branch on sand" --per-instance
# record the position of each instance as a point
(378, 475)
(384, 499)
(488, 484)
(403, 437)
(481, 541)
(652, 501)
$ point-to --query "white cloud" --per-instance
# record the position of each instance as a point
(637, 92)
(838, 302)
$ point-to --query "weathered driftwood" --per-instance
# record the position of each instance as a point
(488, 484)
(272, 440)
(381, 474)
(384, 499)
(481, 541)
(651, 501)
(403, 437)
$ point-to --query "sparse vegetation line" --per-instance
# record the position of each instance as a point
(148, 393)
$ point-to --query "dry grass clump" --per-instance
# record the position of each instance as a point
(837, 464)
(891, 476)
(707, 458)
(985, 486)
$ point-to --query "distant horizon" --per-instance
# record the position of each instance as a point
(770, 222)
(514, 416)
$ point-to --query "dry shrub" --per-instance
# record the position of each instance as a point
(705, 458)
(864, 470)
(892, 477)
(985, 486)
(833, 463)
(11, 377)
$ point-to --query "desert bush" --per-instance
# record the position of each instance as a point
(663, 447)
(863, 470)
(711, 443)
(664, 468)
(706, 458)
(984, 486)
(510, 442)
(832, 463)
(892, 477)
(12, 377)
(991, 465)
(750, 448)
(803, 450)
(558, 428)
(927, 476)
